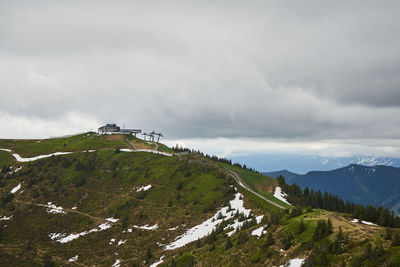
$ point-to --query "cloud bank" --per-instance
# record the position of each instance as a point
(266, 71)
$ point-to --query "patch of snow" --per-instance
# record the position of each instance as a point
(230, 233)
(158, 262)
(51, 208)
(126, 150)
(117, 263)
(236, 225)
(111, 219)
(5, 149)
(15, 189)
(73, 208)
(259, 232)
(21, 159)
(364, 222)
(279, 194)
(73, 258)
(146, 150)
(62, 238)
(112, 241)
(259, 219)
(121, 242)
(129, 230)
(173, 228)
(144, 188)
(16, 170)
(5, 218)
(104, 226)
(147, 227)
(206, 227)
(293, 263)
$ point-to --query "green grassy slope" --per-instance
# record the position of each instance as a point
(6, 158)
(103, 184)
(81, 142)
(186, 190)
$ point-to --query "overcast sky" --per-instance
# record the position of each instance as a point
(230, 77)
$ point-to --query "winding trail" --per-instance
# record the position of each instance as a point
(239, 180)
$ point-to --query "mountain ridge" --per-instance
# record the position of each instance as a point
(302, 164)
(368, 185)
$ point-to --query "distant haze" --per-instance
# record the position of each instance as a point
(302, 164)
(230, 78)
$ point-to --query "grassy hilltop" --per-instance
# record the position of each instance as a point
(186, 190)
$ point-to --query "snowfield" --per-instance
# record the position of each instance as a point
(111, 219)
(62, 238)
(157, 263)
(364, 222)
(147, 227)
(21, 159)
(279, 194)
(146, 150)
(143, 188)
(5, 218)
(259, 232)
(205, 228)
(293, 263)
(73, 258)
(116, 263)
(121, 242)
(51, 208)
(15, 189)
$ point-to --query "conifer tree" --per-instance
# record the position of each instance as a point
(329, 227)
(302, 226)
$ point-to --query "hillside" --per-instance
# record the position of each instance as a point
(106, 204)
(378, 185)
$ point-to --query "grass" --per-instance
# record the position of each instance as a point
(186, 190)
(292, 227)
(109, 189)
(6, 158)
(81, 142)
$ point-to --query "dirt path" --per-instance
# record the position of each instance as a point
(243, 184)
(130, 144)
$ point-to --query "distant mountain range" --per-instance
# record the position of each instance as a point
(378, 185)
(304, 163)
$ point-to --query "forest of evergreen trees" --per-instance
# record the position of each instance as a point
(318, 200)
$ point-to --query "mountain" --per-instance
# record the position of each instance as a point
(378, 185)
(305, 163)
(91, 200)
(289, 176)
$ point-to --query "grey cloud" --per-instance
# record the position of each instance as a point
(306, 71)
